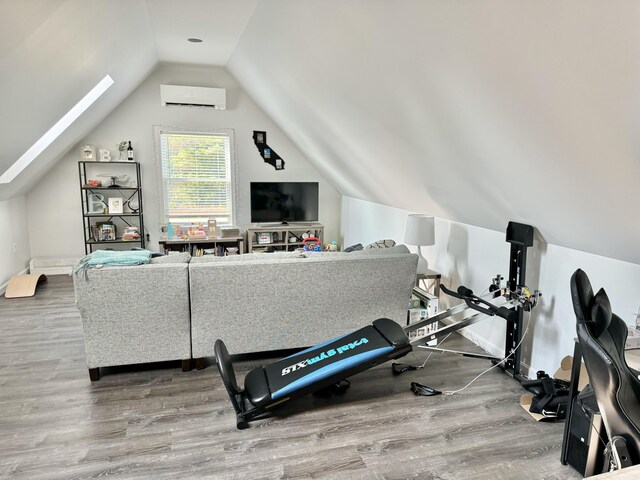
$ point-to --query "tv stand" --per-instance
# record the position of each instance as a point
(281, 237)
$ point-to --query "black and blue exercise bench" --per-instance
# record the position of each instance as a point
(329, 364)
(310, 370)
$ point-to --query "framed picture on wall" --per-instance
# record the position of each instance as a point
(259, 138)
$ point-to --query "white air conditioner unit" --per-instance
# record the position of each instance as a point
(204, 97)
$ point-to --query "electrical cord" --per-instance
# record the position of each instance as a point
(431, 353)
(453, 392)
(445, 338)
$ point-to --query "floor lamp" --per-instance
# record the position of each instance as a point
(421, 232)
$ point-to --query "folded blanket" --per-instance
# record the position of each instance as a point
(109, 258)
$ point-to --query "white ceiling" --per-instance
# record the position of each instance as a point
(219, 23)
(479, 112)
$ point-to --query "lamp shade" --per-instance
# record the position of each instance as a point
(420, 230)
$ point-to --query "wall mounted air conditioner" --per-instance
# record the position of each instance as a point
(183, 96)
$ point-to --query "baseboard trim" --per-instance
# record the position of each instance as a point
(3, 287)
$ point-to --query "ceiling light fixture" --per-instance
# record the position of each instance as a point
(54, 132)
(194, 40)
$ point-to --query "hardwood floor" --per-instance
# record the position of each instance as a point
(159, 422)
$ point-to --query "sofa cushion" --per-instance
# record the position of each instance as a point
(396, 250)
(283, 257)
(264, 302)
(135, 314)
(182, 257)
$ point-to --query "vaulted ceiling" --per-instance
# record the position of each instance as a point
(479, 112)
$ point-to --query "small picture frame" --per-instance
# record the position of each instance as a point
(106, 231)
(116, 205)
(105, 155)
(260, 138)
(278, 164)
(88, 153)
(264, 238)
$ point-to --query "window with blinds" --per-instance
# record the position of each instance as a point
(196, 172)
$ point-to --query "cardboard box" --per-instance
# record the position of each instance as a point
(633, 338)
(421, 313)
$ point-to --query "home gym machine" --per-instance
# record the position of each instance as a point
(509, 303)
(328, 364)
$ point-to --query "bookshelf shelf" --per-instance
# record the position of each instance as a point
(94, 198)
(197, 246)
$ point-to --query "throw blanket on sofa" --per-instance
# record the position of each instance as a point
(109, 258)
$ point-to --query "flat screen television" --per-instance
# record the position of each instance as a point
(284, 202)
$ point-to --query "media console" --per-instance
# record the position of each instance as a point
(279, 237)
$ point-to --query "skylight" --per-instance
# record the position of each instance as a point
(54, 132)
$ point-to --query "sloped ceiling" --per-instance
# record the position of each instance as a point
(479, 112)
(53, 52)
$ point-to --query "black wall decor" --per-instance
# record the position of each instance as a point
(267, 153)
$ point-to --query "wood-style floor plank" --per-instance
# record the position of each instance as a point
(157, 422)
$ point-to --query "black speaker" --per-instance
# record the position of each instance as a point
(587, 437)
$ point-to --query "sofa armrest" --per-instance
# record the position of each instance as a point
(134, 314)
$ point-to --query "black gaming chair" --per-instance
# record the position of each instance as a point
(602, 336)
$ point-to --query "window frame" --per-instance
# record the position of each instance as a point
(158, 130)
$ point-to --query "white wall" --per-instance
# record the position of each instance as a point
(14, 238)
(479, 112)
(54, 203)
(471, 256)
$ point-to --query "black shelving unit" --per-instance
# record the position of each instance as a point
(130, 219)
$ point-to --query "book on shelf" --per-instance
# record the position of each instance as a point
(106, 231)
(217, 251)
(131, 234)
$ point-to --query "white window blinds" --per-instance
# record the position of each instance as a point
(196, 171)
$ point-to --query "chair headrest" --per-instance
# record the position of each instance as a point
(592, 310)
(582, 295)
(600, 313)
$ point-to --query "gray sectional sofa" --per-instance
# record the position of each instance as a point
(135, 314)
(258, 302)
(264, 302)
